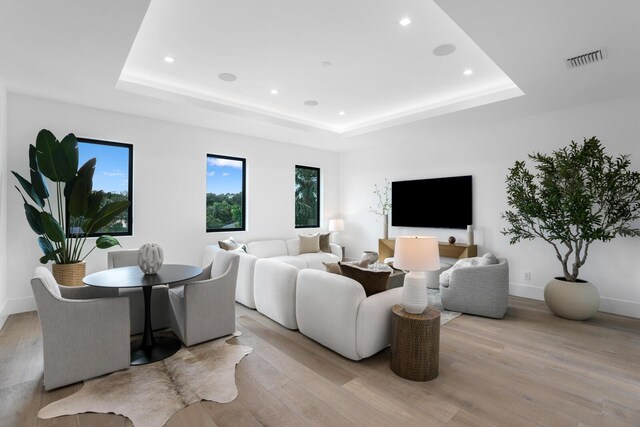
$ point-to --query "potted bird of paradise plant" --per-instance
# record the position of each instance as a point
(64, 218)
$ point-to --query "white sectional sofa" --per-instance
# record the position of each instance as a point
(284, 251)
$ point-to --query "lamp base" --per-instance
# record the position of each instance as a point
(414, 292)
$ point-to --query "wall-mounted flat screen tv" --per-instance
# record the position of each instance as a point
(436, 202)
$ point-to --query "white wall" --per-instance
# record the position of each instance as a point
(3, 202)
(486, 152)
(169, 183)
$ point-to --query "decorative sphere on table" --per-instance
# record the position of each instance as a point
(150, 258)
(452, 240)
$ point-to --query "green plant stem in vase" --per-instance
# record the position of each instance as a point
(383, 207)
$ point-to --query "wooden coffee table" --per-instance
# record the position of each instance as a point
(415, 343)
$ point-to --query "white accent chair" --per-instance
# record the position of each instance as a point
(335, 311)
(159, 296)
(82, 338)
(204, 310)
(246, 267)
(275, 291)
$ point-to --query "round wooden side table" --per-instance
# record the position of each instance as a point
(415, 343)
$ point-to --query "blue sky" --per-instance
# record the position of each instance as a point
(224, 176)
(112, 166)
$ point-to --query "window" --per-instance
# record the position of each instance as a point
(307, 197)
(225, 193)
(114, 177)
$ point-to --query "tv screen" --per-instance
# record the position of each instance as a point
(448, 202)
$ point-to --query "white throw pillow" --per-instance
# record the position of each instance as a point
(232, 245)
(486, 259)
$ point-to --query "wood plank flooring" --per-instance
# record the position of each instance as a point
(528, 369)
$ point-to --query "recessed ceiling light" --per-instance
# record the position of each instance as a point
(311, 103)
(342, 113)
(467, 72)
(444, 50)
(227, 77)
(404, 21)
(169, 59)
(325, 64)
(274, 91)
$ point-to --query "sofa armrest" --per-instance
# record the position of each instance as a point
(374, 321)
(87, 292)
(275, 291)
(336, 250)
(327, 309)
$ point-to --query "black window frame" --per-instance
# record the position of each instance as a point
(244, 195)
(129, 231)
(317, 224)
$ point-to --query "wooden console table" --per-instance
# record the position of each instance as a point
(386, 248)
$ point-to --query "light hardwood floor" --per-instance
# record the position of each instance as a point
(531, 368)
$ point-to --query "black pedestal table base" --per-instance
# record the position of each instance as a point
(163, 348)
(150, 348)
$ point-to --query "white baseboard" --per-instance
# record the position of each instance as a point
(620, 306)
(18, 305)
(607, 305)
(526, 291)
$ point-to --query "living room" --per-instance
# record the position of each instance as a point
(52, 79)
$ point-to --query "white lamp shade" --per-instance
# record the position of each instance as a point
(417, 253)
(336, 225)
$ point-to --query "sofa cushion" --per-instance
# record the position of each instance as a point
(315, 260)
(293, 246)
(267, 248)
(373, 281)
(296, 261)
(231, 244)
(309, 244)
(325, 242)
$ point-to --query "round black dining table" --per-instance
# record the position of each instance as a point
(150, 349)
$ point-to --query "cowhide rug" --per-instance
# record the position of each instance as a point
(150, 394)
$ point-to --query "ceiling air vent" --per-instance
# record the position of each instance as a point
(587, 58)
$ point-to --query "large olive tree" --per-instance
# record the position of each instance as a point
(574, 196)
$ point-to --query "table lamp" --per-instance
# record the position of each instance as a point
(336, 226)
(417, 254)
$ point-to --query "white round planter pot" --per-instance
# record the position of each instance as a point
(572, 300)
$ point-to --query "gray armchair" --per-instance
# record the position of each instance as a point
(82, 338)
(482, 290)
(205, 309)
(159, 296)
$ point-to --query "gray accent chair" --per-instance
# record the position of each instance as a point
(82, 338)
(482, 290)
(159, 296)
(203, 310)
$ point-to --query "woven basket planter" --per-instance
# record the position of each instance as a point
(70, 274)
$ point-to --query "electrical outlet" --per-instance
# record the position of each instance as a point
(527, 275)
